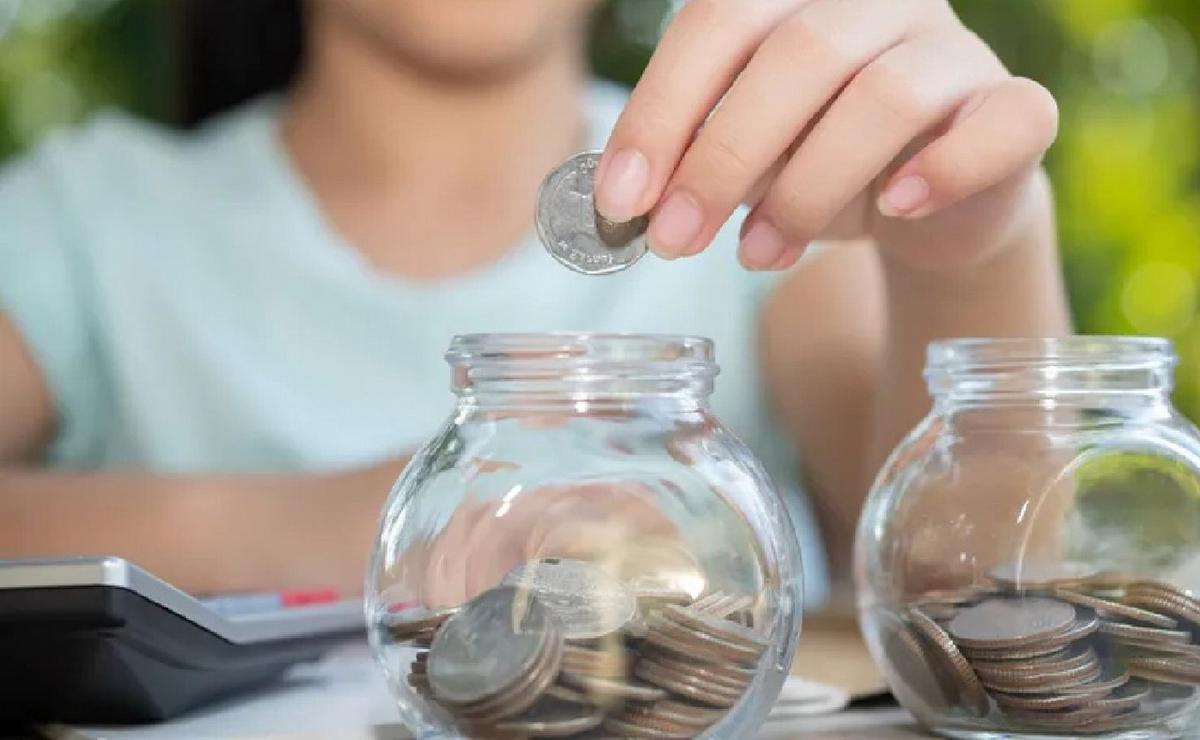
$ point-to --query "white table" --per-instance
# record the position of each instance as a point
(344, 698)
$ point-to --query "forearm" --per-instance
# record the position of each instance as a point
(202, 533)
(1017, 292)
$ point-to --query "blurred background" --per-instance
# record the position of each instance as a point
(1126, 74)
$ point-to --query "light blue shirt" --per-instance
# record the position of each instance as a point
(193, 311)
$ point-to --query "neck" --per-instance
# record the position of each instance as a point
(398, 157)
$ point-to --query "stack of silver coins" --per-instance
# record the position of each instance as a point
(560, 648)
(1079, 655)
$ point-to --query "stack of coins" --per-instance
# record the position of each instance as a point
(561, 648)
(1068, 653)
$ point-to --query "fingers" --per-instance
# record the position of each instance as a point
(817, 51)
(1001, 131)
(703, 50)
(902, 95)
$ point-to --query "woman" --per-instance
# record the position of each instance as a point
(217, 348)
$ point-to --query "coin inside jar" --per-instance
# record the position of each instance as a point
(588, 602)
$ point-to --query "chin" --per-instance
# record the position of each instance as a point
(467, 39)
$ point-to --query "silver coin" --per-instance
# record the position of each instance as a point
(489, 645)
(571, 230)
(998, 623)
(587, 601)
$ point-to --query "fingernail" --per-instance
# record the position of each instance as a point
(790, 257)
(676, 224)
(904, 196)
(762, 246)
(623, 185)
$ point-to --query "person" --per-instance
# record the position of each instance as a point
(218, 347)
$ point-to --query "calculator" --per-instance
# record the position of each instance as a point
(99, 640)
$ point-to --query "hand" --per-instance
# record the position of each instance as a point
(608, 524)
(837, 119)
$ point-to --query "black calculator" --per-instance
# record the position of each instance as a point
(99, 640)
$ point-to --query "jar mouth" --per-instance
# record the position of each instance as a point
(1013, 369)
(574, 362)
(1030, 351)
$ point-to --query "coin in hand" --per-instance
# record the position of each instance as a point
(571, 229)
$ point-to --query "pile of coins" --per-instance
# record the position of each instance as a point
(574, 233)
(1078, 655)
(560, 648)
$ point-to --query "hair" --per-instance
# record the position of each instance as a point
(230, 51)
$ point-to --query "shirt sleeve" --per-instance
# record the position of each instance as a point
(44, 292)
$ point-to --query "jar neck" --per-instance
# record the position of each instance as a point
(581, 371)
(1071, 372)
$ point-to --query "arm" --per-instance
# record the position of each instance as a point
(202, 533)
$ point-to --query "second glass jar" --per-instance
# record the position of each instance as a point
(1028, 561)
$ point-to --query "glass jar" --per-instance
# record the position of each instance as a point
(584, 549)
(1029, 557)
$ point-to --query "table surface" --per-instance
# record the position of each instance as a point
(344, 698)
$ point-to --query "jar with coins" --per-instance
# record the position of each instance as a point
(1028, 560)
(584, 551)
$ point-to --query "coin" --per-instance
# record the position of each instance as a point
(1108, 608)
(717, 627)
(954, 665)
(416, 622)
(1123, 631)
(523, 694)
(730, 674)
(687, 641)
(1170, 670)
(588, 602)
(571, 230)
(999, 622)
(1046, 702)
(919, 679)
(1080, 655)
(488, 646)
(1043, 682)
(617, 688)
(687, 687)
(553, 719)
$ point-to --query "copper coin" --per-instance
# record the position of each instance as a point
(553, 720)
(1066, 659)
(626, 729)
(416, 622)
(698, 673)
(1000, 623)
(1013, 655)
(699, 642)
(1104, 607)
(1046, 702)
(688, 688)
(1122, 631)
(723, 629)
(1164, 669)
(614, 688)
(725, 673)
(1045, 683)
(970, 690)
(919, 684)
(679, 712)
(1101, 684)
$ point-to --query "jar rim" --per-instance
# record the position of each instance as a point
(582, 364)
(1017, 351)
(579, 347)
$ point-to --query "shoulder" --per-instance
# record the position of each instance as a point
(117, 168)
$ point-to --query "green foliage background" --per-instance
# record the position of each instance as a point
(1126, 168)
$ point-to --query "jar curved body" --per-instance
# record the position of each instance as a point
(608, 511)
(1028, 561)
